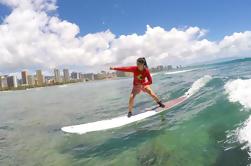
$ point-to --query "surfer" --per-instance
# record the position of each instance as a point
(140, 72)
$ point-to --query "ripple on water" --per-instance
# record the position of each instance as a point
(5, 127)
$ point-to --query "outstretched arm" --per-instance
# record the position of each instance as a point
(125, 69)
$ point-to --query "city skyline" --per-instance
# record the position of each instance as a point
(50, 72)
(64, 76)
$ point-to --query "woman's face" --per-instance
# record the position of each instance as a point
(140, 66)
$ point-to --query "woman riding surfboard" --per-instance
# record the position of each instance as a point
(140, 72)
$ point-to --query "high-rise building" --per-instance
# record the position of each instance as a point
(99, 76)
(74, 75)
(3, 82)
(123, 74)
(89, 76)
(160, 68)
(169, 67)
(31, 80)
(12, 81)
(57, 75)
(39, 77)
(81, 77)
(66, 75)
(24, 75)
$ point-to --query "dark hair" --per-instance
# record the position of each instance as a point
(142, 61)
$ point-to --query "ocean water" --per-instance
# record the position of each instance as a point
(212, 128)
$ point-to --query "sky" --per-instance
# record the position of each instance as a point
(220, 17)
(92, 35)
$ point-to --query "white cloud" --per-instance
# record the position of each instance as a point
(32, 38)
(237, 43)
(38, 5)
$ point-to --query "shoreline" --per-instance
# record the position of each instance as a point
(28, 87)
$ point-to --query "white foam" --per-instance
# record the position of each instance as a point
(153, 74)
(177, 72)
(240, 91)
(197, 85)
(6, 91)
(62, 86)
(244, 134)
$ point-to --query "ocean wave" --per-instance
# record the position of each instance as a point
(180, 71)
(198, 84)
(153, 74)
(239, 91)
(244, 135)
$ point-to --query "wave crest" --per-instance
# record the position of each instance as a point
(239, 91)
(198, 84)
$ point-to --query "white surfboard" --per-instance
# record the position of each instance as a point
(124, 120)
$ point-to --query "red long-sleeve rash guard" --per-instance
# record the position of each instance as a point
(139, 76)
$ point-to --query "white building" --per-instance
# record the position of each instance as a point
(39, 77)
(57, 76)
(3, 82)
(12, 81)
(89, 76)
(66, 75)
(31, 80)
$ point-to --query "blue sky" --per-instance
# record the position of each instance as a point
(220, 17)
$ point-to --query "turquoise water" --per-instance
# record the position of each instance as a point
(201, 131)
